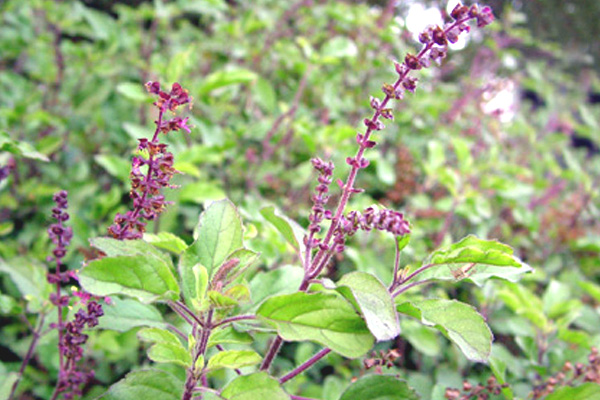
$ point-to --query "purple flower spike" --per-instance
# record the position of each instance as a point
(146, 183)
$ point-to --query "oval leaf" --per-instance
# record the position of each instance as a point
(146, 278)
(289, 229)
(219, 233)
(221, 79)
(124, 314)
(146, 384)
(228, 335)
(460, 322)
(255, 386)
(170, 353)
(476, 259)
(166, 241)
(374, 301)
(167, 347)
(324, 318)
(233, 359)
(379, 387)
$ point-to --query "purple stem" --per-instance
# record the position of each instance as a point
(410, 286)
(424, 268)
(273, 350)
(233, 319)
(304, 366)
(32, 346)
(182, 310)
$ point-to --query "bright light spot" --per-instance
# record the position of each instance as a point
(501, 100)
(509, 61)
(451, 5)
(419, 18)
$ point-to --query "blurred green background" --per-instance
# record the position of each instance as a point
(501, 141)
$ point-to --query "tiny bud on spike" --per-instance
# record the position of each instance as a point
(388, 89)
(412, 61)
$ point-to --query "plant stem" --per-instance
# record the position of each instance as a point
(273, 350)
(304, 366)
(200, 348)
(233, 319)
(410, 286)
(34, 341)
(183, 311)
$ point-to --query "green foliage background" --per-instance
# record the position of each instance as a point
(274, 84)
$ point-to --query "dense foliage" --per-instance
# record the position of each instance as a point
(242, 248)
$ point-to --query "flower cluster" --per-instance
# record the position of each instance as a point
(70, 336)
(61, 237)
(435, 42)
(320, 198)
(150, 175)
(384, 220)
(71, 378)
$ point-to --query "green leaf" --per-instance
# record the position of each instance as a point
(156, 335)
(374, 301)
(379, 387)
(146, 384)
(201, 192)
(219, 233)
(166, 347)
(233, 359)
(19, 148)
(220, 300)
(166, 241)
(459, 322)
(284, 280)
(124, 314)
(255, 386)
(524, 302)
(6, 383)
(339, 47)
(132, 91)
(30, 278)
(325, 318)
(115, 165)
(586, 391)
(402, 242)
(489, 258)
(221, 79)
(114, 247)
(194, 283)
(228, 335)
(264, 94)
(170, 353)
(423, 338)
(498, 368)
(147, 278)
(474, 250)
(291, 231)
